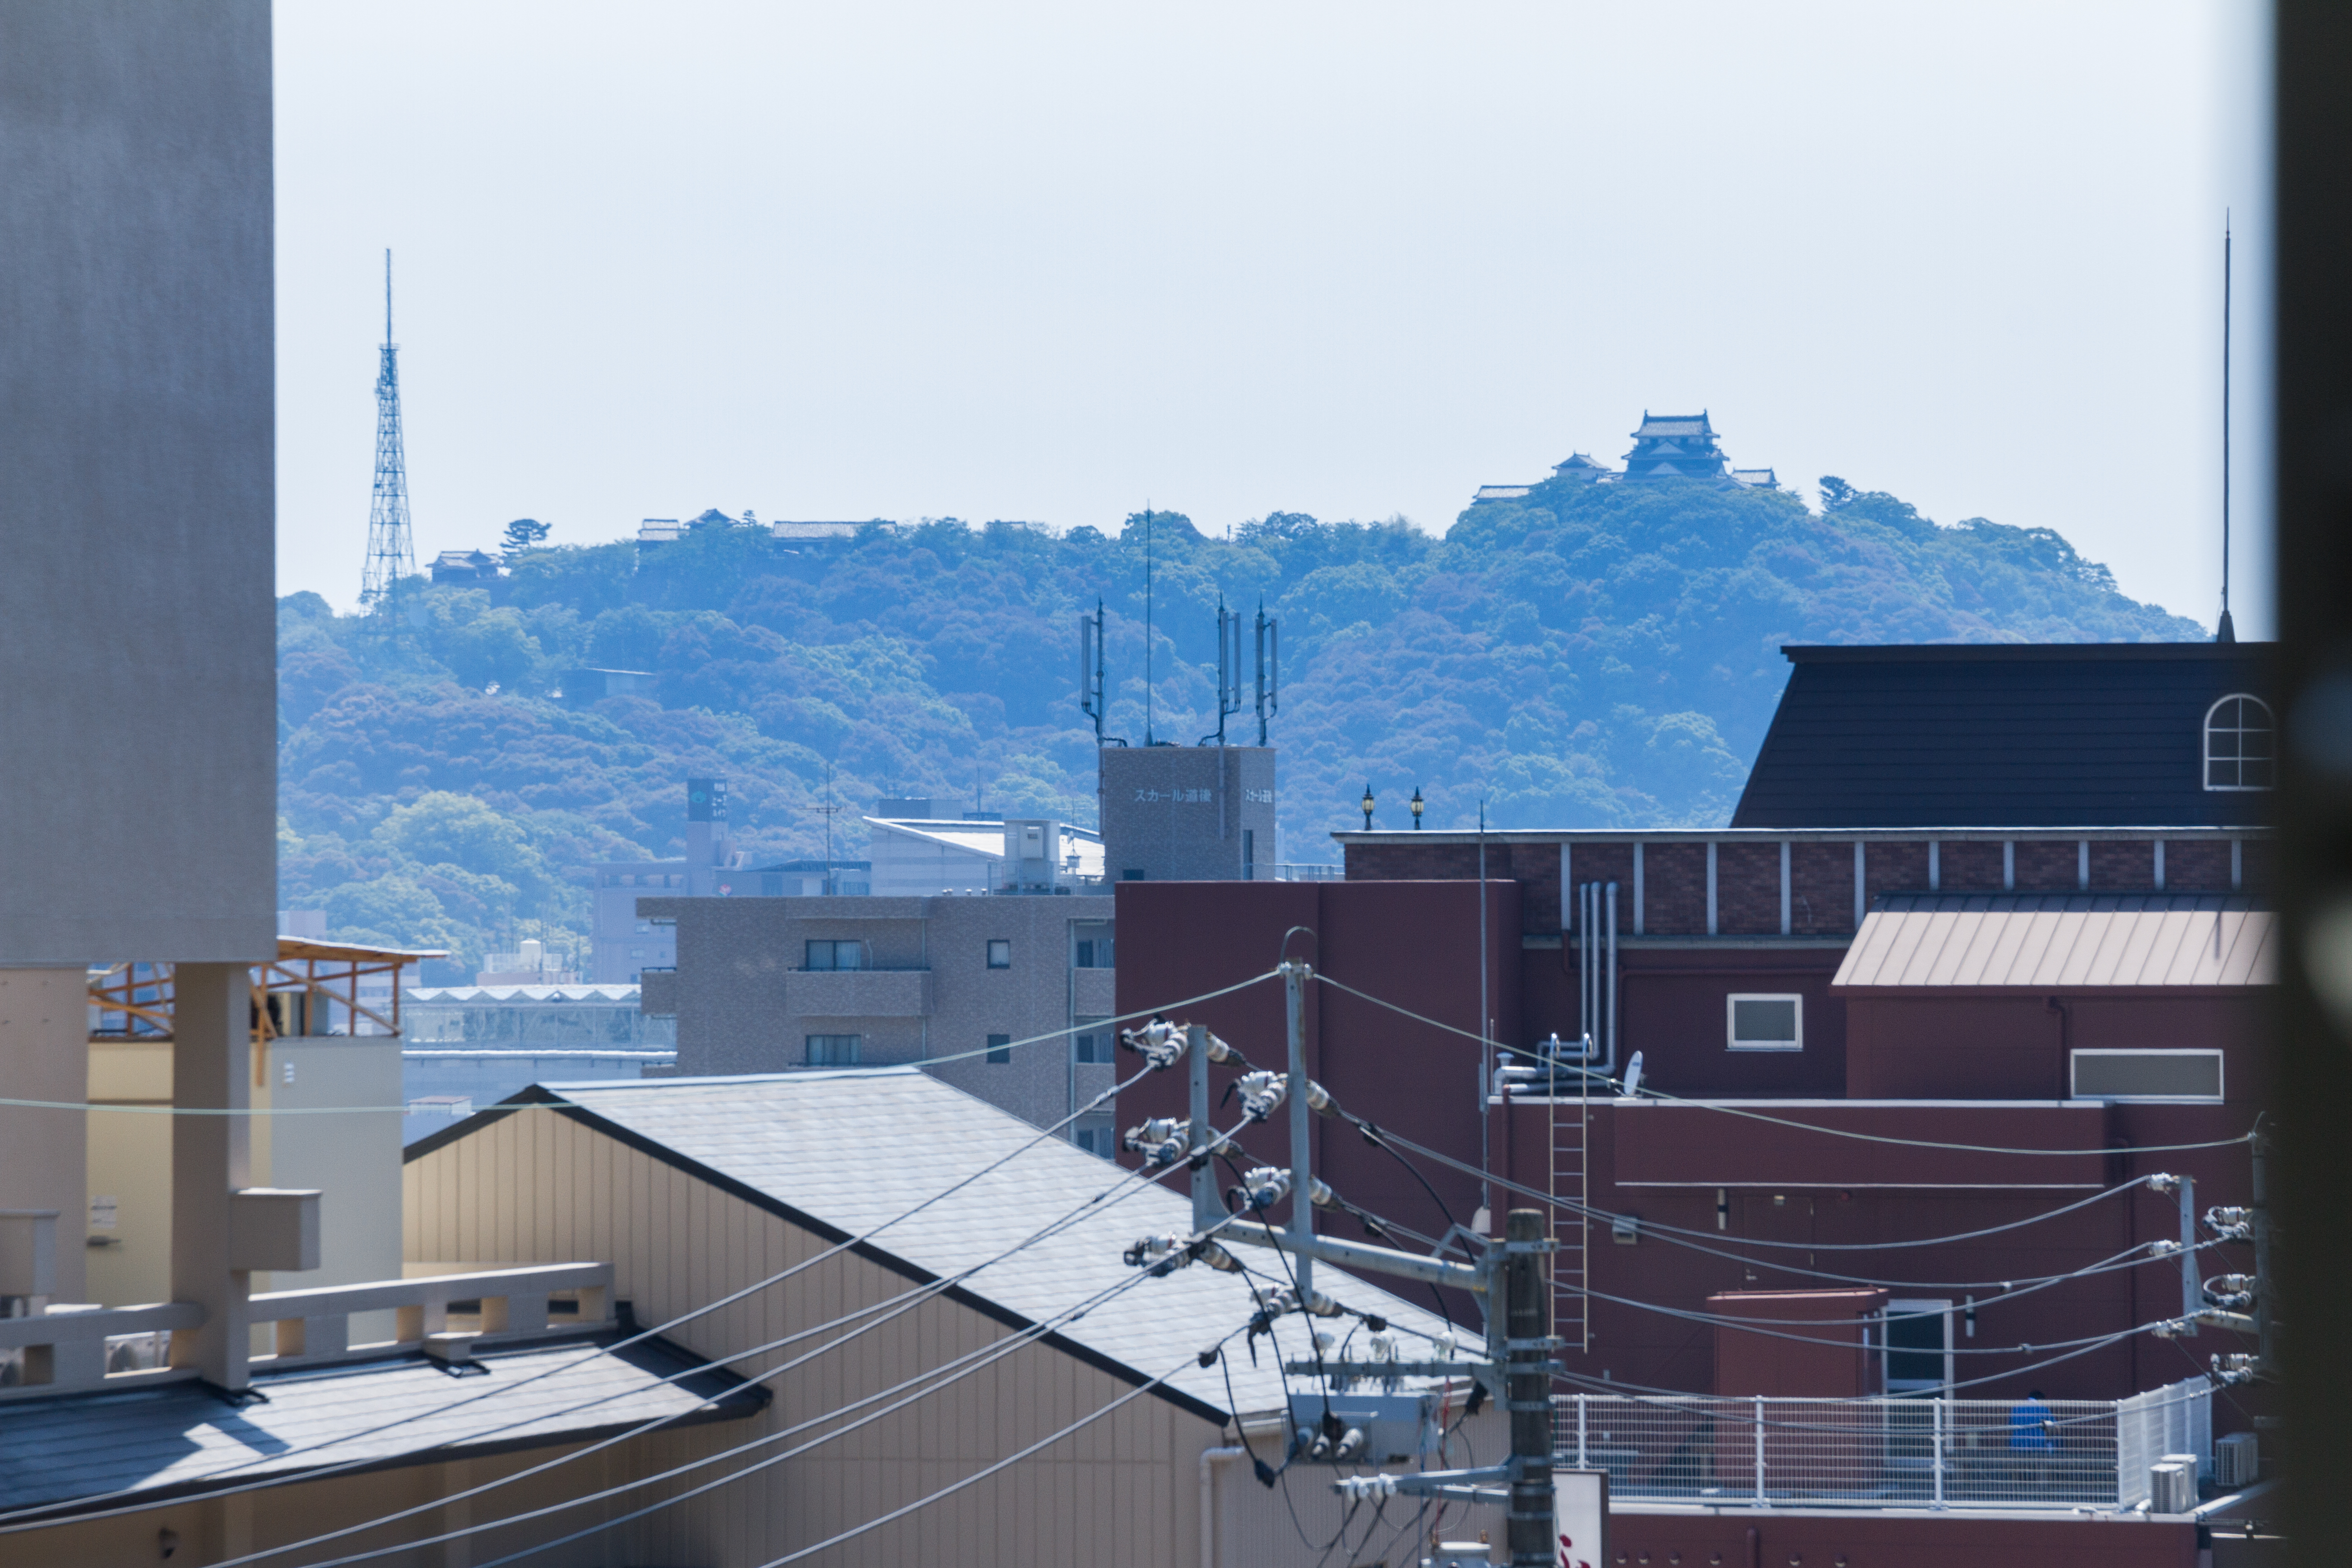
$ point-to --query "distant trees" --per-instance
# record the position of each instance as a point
(524, 533)
(1585, 656)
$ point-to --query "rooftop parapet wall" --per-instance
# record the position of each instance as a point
(1736, 882)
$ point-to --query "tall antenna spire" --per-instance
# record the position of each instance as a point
(2225, 632)
(1149, 738)
(390, 552)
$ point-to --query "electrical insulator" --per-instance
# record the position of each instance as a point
(2230, 1290)
(1162, 1141)
(1320, 1193)
(2162, 1248)
(1322, 1306)
(1274, 1301)
(2231, 1223)
(2236, 1367)
(1152, 1250)
(1261, 1092)
(1319, 1098)
(1159, 1043)
(1220, 1052)
(1217, 1257)
(1263, 1187)
(2160, 1182)
(1350, 1444)
(1367, 1489)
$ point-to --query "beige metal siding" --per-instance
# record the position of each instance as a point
(2065, 948)
(538, 1187)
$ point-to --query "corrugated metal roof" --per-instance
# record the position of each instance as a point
(182, 1438)
(853, 1149)
(987, 838)
(2061, 941)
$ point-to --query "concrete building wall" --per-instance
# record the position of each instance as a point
(137, 431)
(1186, 814)
(746, 1000)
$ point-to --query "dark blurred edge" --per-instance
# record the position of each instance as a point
(2313, 432)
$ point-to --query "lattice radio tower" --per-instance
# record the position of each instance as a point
(391, 551)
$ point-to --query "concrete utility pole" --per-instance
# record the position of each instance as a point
(1526, 1389)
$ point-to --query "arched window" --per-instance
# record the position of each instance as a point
(2241, 743)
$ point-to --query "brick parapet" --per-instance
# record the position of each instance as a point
(1673, 890)
(1747, 889)
(2049, 866)
(1821, 888)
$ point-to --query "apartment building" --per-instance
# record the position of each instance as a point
(1001, 996)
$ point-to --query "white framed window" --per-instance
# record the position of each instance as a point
(2241, 743)
(835, 1050)
(834, 955)
(2189, 1078)
(1764, 1022)
(999, 952)
(1918, 1344)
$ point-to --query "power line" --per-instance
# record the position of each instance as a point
(1726, 1109)
(1061, 1034)
(978, 1359)
(35, 1517)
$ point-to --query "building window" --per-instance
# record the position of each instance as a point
(835, 1050)
(1101, 1141)
(1093, 1044)
(2240, 749)
(1090, 946)
(1000, 954)
(2176, 1076)
(1000, 1049)
(835, 955)
(1765, 1023)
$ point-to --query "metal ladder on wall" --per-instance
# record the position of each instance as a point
(1568, 1128)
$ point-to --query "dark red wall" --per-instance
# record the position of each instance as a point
(1859, 1539)
(2012, 1045)
(1412, 943)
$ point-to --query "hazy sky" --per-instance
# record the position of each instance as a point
(1051, 262)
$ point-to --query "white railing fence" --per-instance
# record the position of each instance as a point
(1883, 1453)
(80, 1349)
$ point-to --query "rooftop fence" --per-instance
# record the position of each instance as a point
(1885, 1453)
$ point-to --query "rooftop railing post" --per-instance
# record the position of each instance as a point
(1942, 1412)
(1760, 1451)
(1580, 1432)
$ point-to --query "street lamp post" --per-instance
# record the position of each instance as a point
(1416, 803)
(1368, 806)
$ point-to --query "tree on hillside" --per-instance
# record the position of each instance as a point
(524, 531)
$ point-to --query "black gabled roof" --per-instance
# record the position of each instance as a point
(2001, 735)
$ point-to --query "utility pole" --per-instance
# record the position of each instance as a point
(1527, 1389)
(1508, 1278)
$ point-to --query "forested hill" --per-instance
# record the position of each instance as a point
(1587, 656)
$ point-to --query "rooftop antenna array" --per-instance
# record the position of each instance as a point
(1093, 696)
(1149, 738)
(391, 551)
(2225, 632)
(1269, 668)
(1229, 669)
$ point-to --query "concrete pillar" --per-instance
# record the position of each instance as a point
(44, 1155)
(212, 1070)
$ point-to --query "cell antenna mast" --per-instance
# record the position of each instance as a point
(1093, 697)
(1269, 668)
(1229, 669)
(2226, 632)
(391, 551)
(1149, 738)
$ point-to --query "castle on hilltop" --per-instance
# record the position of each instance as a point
(1666, 447)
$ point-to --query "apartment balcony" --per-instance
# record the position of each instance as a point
(859, 993)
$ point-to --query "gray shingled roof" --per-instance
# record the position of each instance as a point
(180, 1438)
(853, 1148)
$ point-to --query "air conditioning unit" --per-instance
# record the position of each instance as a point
(2237, 1460)
(2172, 1484)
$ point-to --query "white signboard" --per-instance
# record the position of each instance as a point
(1579, 1518)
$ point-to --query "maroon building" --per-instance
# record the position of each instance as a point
(1923, 1057)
